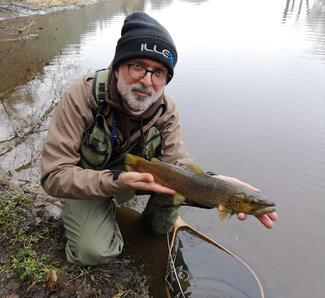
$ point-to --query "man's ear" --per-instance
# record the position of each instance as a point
(116, 73)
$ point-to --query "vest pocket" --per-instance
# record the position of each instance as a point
(153, 144)
(96, 148)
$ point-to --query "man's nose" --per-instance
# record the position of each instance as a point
(146, 80)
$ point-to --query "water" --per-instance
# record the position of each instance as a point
(204, 270)
(249, 86)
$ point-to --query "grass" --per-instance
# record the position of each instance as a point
(33, 263)
(13, 206)
(27, 265)
(22, 234)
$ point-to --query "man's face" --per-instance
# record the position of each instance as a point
(139, 94)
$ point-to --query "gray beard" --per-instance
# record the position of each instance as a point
(134, 104)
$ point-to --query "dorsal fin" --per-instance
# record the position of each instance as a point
(194, 168)
(155, 160)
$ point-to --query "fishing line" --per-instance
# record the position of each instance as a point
(210, 240)
(173, 266)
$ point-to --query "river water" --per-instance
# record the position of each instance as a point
(249, 86)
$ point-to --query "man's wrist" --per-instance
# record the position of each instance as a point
(116, 174)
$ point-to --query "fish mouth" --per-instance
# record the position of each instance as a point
(265, 210)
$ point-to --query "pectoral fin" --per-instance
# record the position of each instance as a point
(224, 212)
(178, 199)
(155, 160)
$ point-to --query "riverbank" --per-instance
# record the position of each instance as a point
(16, 9)
(32, 257)
(51, 3)
(25, 6)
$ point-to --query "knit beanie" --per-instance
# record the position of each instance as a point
(143, 37)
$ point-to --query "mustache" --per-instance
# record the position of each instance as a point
(141, 88)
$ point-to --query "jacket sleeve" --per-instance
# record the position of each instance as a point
(175, 151)
(60, 174)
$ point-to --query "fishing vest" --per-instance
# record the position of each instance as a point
(98, 144)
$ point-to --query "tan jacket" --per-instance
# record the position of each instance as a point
(60, 174)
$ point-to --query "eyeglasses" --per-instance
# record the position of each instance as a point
(159, 77)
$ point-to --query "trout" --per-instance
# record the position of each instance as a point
(194, 187)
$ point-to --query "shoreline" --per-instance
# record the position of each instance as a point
(24, 8)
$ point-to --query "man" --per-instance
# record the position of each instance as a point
(88, 138)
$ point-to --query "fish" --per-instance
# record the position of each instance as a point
(194, 187)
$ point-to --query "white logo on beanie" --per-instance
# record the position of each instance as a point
(164, 52)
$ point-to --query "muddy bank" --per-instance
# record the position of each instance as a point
(51, 3)
(11, 9)
(32, 257)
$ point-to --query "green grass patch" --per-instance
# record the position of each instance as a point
(22, 235)
(13, 208)
(28, 265)
(33, 261)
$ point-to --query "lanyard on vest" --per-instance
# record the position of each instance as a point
(114, 134)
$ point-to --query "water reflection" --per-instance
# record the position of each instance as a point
(195, 1)
(316, 28)
(313, 17)
(159, 4)
(196, 267)
(55, 32)
(204, 270)
(293, 9)
(127, 6)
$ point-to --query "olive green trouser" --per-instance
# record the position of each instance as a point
(93, 236)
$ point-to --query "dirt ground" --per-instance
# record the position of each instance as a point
(32, 257)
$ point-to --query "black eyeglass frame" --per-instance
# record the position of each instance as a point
(146, 70)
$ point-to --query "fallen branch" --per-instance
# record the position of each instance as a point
(16, 29)
(8, 9)
(20, 30)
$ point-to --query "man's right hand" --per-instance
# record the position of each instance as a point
(143, 181)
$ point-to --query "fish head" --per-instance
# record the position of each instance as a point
(252, 204)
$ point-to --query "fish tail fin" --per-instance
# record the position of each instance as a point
(130, 162)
